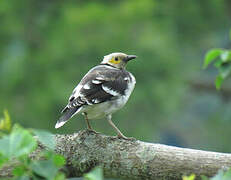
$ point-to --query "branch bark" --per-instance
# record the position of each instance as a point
(126, 159)
(136, 159)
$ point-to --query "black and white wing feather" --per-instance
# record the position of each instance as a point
(102, 83)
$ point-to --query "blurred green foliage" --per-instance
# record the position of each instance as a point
(15, 149)
(222, 63)
(5, 123)
(94, 174)
(191, 177)
(221, 175)
(47, 46)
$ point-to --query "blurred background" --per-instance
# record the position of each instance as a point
(47, 46)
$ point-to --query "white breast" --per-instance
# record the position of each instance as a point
(131, 86)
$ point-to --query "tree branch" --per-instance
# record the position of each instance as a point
(133, 159)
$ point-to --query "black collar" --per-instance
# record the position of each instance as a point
(111, 66)
(107, 65)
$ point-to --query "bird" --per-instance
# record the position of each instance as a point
(104, 90)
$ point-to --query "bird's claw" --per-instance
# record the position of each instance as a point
(126, 138)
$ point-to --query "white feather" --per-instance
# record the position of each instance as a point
(131, 86)
(96, 81)
(87, 86)
(59, 124)
(110, 56)
(95, 101)
(99, 78)
(126, 79)
(76, 91)
(110, 91)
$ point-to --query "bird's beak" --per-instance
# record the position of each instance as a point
(130, 57)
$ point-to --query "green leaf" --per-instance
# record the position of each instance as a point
(211, 56)
(227, 175)
(218, 176)
(218, 63)
(204, 177)
(225, 56)
(191, 177)
(219, 80)
(23, 178)
(45, 168)
(20, 142)
(95, 174)
(221, 175)
(5, 123)
(59, 160)
(225, 70)
(60, 176)
(46, 138)
(3, 160)
(19, 170)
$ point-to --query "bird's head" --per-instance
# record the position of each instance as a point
(118, 60)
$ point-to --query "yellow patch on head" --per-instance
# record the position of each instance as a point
(113, 61)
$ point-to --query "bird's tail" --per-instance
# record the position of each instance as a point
(67, 113)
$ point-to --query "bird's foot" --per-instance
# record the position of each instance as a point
(121, 136)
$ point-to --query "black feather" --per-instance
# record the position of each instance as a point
(67, 114)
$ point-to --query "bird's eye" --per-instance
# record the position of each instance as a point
(116, 59)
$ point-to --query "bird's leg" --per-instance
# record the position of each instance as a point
(88, 124)
(87, 121)
(119, 133)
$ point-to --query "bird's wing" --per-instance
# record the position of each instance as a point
(100, 84)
